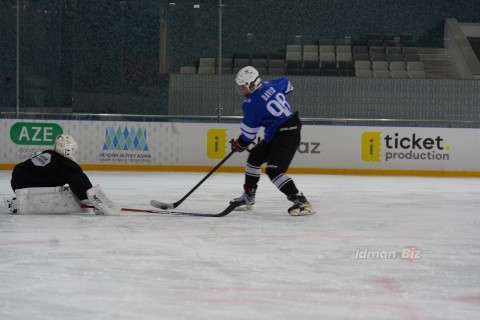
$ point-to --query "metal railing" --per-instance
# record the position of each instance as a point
(229, 119)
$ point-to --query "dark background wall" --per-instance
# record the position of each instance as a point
(104, 55)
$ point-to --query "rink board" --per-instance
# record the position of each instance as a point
(178, 146)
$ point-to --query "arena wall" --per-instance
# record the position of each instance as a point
(173, 146)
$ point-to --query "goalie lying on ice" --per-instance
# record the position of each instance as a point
(51, 181)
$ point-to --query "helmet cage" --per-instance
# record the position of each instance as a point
(66, 146)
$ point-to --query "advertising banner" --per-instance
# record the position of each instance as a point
(177, 145)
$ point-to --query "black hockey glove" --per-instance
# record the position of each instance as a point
(238, 145)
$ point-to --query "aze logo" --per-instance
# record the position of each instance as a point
(25, 133)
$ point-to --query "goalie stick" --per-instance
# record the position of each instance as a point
(226, 211)
(163, 205)
(101, 202)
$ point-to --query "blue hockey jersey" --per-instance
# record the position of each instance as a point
(266, 107)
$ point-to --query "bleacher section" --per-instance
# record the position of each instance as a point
(384, 55)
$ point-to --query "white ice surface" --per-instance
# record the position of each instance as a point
(262, 264)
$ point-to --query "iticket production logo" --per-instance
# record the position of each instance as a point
(377, 147)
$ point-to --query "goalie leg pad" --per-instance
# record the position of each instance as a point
(102, 204)
(11, 204)
(47, 200)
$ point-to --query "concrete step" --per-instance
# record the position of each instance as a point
(438, 63)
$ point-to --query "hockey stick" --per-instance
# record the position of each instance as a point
(223, 213)
(162, 205)
(88, 206)
(102, 204)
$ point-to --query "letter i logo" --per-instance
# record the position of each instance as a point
(216, 143)
(371, 146)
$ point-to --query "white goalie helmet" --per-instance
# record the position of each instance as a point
(66, 146)
(248, 77)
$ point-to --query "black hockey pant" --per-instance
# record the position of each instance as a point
(278, 155)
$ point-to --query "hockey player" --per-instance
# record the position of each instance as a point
(40, 182)
(265, 105)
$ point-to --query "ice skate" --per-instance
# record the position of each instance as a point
(246, 200)
(301, 206)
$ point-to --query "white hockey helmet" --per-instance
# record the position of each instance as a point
(250, 78)
(66, 146)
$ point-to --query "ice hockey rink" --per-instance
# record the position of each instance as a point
(378, 248)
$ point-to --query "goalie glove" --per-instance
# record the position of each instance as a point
(239, 145)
